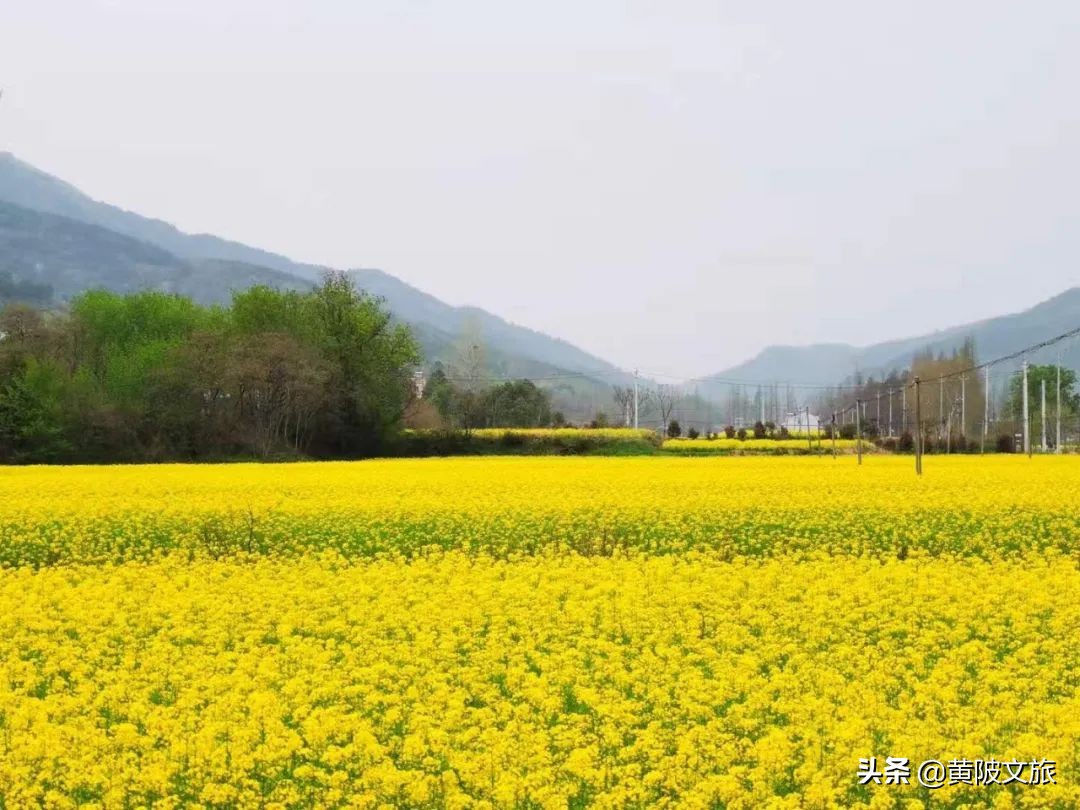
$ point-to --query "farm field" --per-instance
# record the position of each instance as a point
(794, 446)
(536, 632)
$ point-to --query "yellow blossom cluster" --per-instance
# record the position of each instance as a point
(543, 681)
(567, 433)
(991, 507)
(536, 632)
(791, 445)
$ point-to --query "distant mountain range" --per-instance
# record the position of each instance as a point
(830, 363)
(56, 242)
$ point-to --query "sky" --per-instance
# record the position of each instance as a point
(670, 185)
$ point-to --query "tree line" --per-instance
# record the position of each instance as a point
(154, 376)
(470, 402)
(954, 406)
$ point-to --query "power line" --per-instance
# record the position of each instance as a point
(769, 384)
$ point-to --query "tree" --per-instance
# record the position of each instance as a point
(667, 397)
(155, 376)
(440, 391)
(279, 387)
(31, 415)
(601, 420)
(371, 364)
(674, 430)
(1037, 375)
(468, 367)
(624, 400)
(517, 403)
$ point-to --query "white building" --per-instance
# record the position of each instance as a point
(798, 421)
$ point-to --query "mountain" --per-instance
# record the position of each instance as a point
(831, 363)
(449, 323)
(55, 238)
(28, 187)
(68, 257)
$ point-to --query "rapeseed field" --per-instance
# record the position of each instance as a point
(537, 632)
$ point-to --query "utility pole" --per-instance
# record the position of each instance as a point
(963, 406)
(1042, 411)
(986, 405)
(941, 405)
(635, 399)
(890, 413)
(903, 409)
(761, 396)
(918, 428)
(858, 428)
(809, 438)
(1027, 432)
(832, 433)
(1057, 395)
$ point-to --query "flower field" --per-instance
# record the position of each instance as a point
(536, 632)
(794, 446)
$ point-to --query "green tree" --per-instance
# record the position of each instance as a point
(517, 403)
(440, 392)
(1037, 375)
(31, 414)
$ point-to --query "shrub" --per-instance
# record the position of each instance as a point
(692, 433)
(741, 435)
(759, 430)
(1006, 443)
(907, 443)
(729, 431)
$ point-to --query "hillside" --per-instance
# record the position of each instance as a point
(69, 257)
(833, 363)
(53, 236)
(446, 323)
(28, 187)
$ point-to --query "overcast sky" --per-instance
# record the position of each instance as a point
(673, 185)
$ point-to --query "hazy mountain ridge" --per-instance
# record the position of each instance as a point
(498, 335)
(29, 187)
(51, 232)
(831, 363)
(72, 256)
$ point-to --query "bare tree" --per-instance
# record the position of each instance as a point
(624, 398)
(468, 366)
(667, 397)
